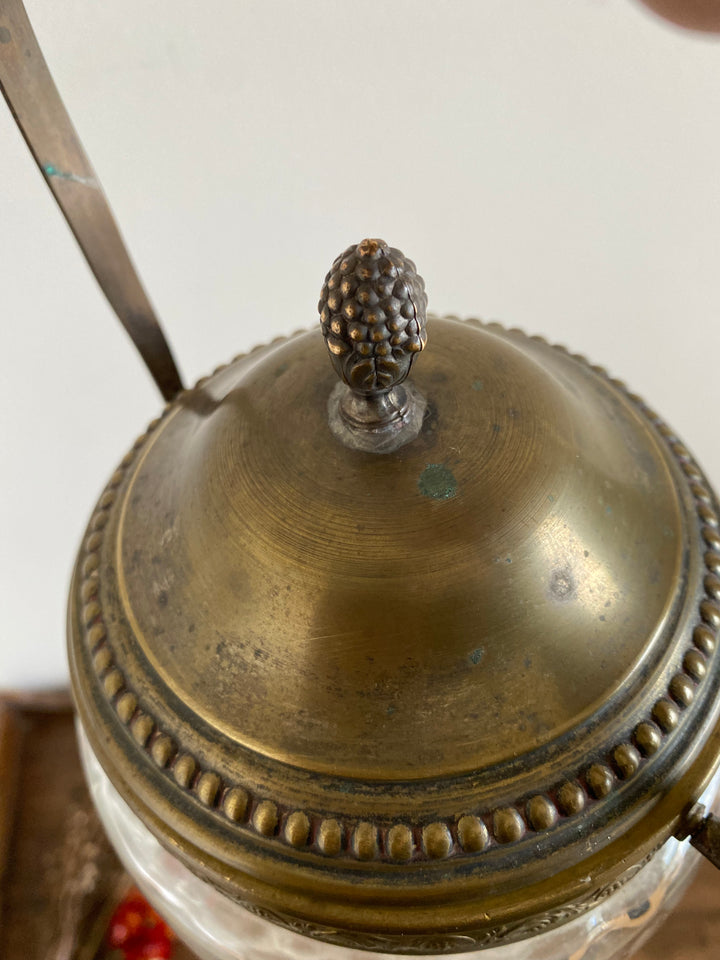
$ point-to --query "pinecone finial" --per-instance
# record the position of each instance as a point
(372, 311)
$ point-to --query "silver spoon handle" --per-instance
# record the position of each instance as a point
(40, 114)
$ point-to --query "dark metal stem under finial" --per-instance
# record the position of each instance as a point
(372, 310)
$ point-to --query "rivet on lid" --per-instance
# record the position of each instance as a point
(704, 639)
(626, 759)
(90, 612)
(400, 842)
(207, 788)
(93, 541)
(329, 837)
(710, 613)
(682, 690)
(711, 538)
(297, 828)
(541, 813)
(142, 726)
(571, 799)
(666, 714)
(472, 834)
(364, 841)
(113, 683)
(694, 664)
(184, 769)
(162, 750)
(96, 634)
(265, 818)
(648, 738)
(89, 588)
(126, 706)
(99, 521)
(508, 825)
(708, 515)
(102, 660)
(599, 780)
(235, 803)
(437, 841)
(712, 586)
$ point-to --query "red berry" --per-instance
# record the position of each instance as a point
(138, 931)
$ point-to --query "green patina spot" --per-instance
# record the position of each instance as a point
(52, 171)
(437, 482)
(478, 385)
(476, 656)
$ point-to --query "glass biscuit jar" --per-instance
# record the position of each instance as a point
(407, 665)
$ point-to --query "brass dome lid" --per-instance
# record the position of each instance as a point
(432, 698)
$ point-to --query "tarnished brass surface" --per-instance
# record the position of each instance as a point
(377, 617)
(430, 700)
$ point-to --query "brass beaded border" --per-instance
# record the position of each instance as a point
(402, 842)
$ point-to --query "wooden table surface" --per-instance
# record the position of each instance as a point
(59, 879)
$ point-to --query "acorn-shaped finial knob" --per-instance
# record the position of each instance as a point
(372, 310)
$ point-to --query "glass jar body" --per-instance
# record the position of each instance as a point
(217, 928)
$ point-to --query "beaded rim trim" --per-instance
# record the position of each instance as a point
(401, 842)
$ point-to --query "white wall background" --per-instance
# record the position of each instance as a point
(554, 164)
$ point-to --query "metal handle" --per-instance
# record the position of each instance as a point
(705, 837)
(40, 114)
(372, 311)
